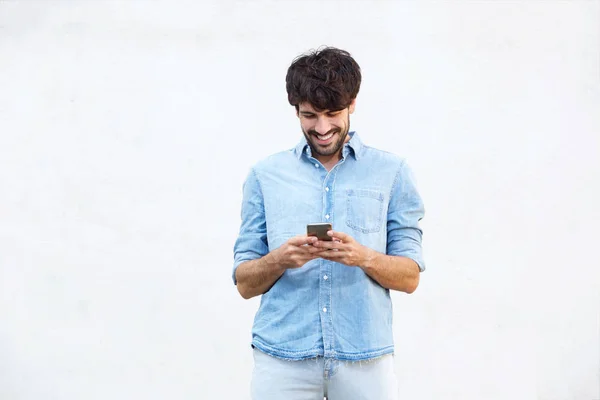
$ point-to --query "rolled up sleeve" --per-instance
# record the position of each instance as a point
(251, 243)
(406, 209)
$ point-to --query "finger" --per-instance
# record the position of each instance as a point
(340, 235)
(311, 256)
(332, 255)
(324, 244)
(302, 240)
(314, 250)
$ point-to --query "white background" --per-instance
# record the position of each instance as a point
(127, 128)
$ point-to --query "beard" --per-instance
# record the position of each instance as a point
(331, 148)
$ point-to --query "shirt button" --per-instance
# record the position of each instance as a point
(324, 309)
(325, 277)
(327, 216)
(316, 165)
(327, 189)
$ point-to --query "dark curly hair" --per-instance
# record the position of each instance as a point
(327, 78)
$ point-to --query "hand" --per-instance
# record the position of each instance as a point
(343, 249)
(296, 252)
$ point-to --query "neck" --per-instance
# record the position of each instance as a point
(330, 161)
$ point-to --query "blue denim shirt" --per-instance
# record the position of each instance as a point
(326, 308)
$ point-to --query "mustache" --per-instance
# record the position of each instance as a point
(334, 130)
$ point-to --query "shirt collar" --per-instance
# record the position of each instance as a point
(354, 145)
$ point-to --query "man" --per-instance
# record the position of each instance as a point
(324, 325)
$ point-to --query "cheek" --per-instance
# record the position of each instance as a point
(341, 123)
(306, 126)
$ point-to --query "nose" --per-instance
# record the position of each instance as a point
(323, 125)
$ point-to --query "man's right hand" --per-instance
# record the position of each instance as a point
(295, 252)
(255, 277)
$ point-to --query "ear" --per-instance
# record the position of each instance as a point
(352, 106)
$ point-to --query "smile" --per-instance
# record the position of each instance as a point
(323, 139)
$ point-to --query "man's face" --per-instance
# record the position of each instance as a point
(325, 130)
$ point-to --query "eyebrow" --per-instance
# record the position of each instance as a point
(326, 112)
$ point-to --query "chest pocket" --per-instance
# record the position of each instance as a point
(364, 210)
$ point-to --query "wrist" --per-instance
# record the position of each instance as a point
(369, 259)
(272, 260)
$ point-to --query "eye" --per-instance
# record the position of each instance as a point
(333, 114)
(308, 116)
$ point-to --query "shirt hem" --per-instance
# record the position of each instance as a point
(318, 352)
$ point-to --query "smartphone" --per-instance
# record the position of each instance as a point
(319, 230)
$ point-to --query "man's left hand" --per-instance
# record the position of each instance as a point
(343, 249)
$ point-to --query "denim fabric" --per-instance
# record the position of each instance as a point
(312, 379)
(326, 308)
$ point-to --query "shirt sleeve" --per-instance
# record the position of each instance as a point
(252, 239)
(404, 235)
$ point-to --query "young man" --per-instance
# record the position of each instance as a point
(324, 326)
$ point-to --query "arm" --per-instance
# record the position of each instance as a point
(392, 272)
(400, 268)
(256, 277)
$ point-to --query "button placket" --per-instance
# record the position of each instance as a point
(326, 281)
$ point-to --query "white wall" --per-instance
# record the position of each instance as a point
(127, 128)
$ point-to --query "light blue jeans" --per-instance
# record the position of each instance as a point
(316, 378)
